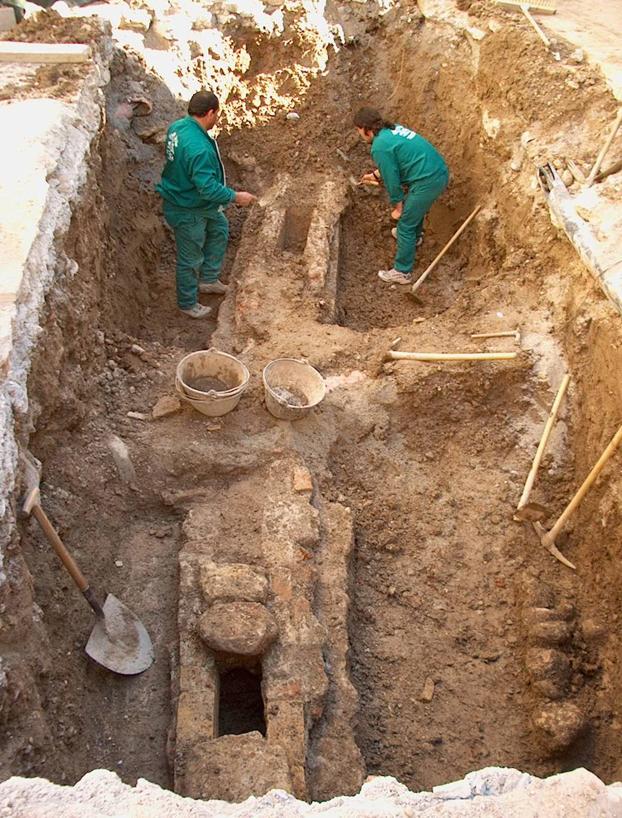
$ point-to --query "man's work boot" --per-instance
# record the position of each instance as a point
(214, 288)
(197, 311)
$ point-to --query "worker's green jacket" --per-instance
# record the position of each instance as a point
(193, 177)
(404, 158)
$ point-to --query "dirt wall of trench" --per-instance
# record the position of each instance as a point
(100, 293)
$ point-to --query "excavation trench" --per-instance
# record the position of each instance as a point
(404, 629)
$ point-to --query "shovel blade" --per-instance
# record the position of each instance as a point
(119, 641)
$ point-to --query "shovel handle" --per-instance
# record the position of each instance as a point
(451, 356)
(535, 26)
(604, 149)
(531, 477)
(454, 238)
(550, 537)
(65, 557)
(57, 544)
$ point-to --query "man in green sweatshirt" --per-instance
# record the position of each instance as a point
(195, 193)
(414, 174)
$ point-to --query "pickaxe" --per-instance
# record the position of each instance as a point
(547, 538)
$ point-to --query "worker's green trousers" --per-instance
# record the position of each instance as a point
(201, 241)
(418, 201)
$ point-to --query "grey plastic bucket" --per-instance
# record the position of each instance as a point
(292, 388)
(212, 363)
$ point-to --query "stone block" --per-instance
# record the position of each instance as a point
(166, 405)
(252, 764)
(282, 689)
(302, 480)
(197, 717)
(244, 628)
(286, 727)
(281, 585)
(558, 725)
(548, 664)
(293, 521)
(335, 765)
(198, 678)
(235, 581)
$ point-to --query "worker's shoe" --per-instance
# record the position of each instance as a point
(419, 240)
(213, 288)
(196, 311)
(395, 277)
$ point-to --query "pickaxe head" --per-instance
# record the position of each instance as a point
(549, 543)
(31, 470)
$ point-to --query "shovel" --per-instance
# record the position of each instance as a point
(454, 238)
(118, 641)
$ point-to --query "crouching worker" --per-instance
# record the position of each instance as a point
(195, 193)
(405, 162)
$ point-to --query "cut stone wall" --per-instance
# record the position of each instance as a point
(269, 587)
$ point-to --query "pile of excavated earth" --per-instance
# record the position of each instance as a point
(345, 606)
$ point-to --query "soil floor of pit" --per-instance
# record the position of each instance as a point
(435, 577)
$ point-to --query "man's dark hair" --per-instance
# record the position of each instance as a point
(202, 102)
(371, 120)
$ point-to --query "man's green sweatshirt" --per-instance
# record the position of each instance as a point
(193, 177)
(404, 158)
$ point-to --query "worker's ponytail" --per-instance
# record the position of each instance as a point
(371, 120)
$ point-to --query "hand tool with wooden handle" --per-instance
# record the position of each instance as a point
(604, 149)
(118, 640)
(455, 236)
(451, 356)
(531, 477)
(547, 538)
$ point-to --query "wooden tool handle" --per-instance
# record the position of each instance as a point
(605, 148)
(608, 171)
(531, 477)
(505, 334)
(572, 505)
(57, 544)
(455, 236)
(452, 356)
(536, 27)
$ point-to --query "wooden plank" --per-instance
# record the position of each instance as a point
(43, 52)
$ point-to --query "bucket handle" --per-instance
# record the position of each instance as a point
(179, 389)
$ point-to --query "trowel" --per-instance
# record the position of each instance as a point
(119, 641)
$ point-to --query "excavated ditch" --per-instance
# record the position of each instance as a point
(448, 646)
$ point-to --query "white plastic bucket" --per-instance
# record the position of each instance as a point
(211, 363)
(292, 388)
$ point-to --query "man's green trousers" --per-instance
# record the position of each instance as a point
(201, 241)
(419, 200)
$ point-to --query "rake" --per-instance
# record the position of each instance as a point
(541, 6)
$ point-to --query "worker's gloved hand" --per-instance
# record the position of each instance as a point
(397, 211)
(369, 179)
(244, 199)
